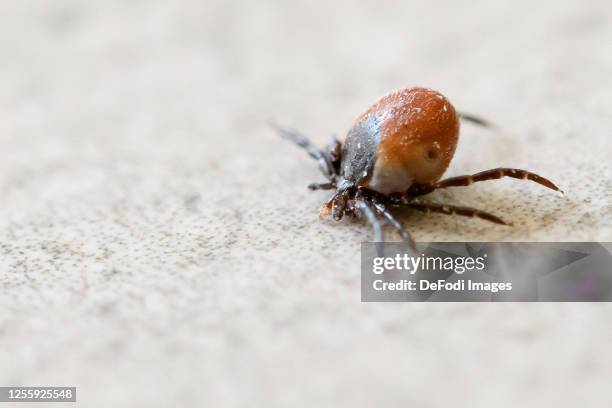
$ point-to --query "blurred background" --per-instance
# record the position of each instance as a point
(158, 245)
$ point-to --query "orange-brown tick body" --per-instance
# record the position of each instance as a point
(409, 136)
(395, 152)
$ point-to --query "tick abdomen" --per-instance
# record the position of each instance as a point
(408, 136)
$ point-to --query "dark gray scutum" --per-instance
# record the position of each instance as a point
(359, 151)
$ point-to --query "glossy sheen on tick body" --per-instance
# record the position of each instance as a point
(409, 136)
(395, 153)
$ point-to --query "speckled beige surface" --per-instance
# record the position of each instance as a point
(158, 246)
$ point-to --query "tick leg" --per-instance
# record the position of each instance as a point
(391, 220)
(314, 152)
(474, 119)
(334, 153)
(492, 174)
(451, 209)
(367, 209)
(322, 186)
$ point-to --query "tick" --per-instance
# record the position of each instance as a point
(395, 153)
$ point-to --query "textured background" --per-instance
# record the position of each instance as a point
(158, 246)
